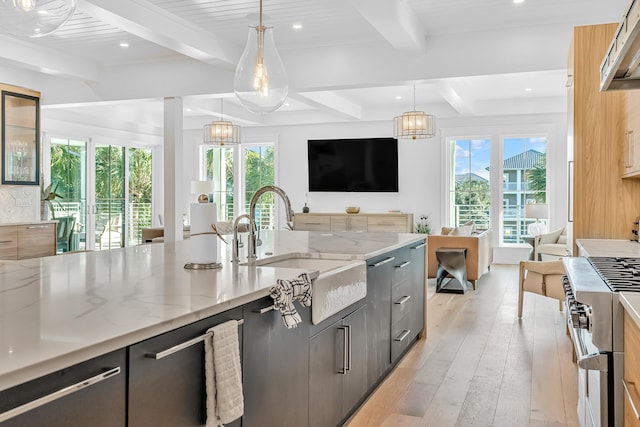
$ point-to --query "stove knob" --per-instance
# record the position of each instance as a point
(575, 319)
(583, 321)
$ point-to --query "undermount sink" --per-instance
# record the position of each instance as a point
(339, 284)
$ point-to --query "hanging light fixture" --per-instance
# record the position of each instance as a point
(34, 18)
(414, 124)
(260, 81)
(221, 131)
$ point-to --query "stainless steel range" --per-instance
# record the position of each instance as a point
(595, 321)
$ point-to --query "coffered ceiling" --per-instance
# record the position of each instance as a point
(351, 60)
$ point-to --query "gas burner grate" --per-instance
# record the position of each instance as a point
(619, 273)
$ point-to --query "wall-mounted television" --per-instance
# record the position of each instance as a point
(359, 165)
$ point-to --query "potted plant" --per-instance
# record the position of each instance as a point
(48, 196)
(423, 225)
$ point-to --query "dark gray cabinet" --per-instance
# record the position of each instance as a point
(417, 256)
(92, 393)
(378, 298)
(275, 367)
(170, 391)
(337, 369)
(402, 303)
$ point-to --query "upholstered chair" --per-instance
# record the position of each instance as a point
(542, 278)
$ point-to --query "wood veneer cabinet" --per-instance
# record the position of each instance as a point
(374, 222)
(27, 241)
(631, 372)
(604, 205)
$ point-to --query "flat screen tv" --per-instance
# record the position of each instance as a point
(359, 165)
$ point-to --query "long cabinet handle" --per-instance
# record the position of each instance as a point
(403, 300)
(633, 405)
(264, 310)
(345, 350)
(5, 242)
(403, 265)
(403, 335)
(58, 394)
(186, 344)
(421, 245)
(349, 351)
(36, 227)
(384, 261)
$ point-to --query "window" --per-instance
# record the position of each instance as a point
(257, 169)
(469, 184)
(139, 204)
(524, 170)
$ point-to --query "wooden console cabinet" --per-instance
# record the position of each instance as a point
(373, 222)
(27, 241)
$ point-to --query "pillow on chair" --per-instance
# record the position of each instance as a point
(551, 237)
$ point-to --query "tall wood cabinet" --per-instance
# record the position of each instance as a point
(602, 203)
(20, 135)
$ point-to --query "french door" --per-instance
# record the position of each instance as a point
(107, 188)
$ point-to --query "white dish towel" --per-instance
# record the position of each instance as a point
(223, 374)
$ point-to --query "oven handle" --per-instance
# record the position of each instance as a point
(588, 361)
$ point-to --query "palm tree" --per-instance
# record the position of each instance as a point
(537, 179)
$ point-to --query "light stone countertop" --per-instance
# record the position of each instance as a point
(609, 247)
(61, 310)
(631, 303)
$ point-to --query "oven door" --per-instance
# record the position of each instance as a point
(593, 367)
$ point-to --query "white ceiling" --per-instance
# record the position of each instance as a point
(350, 62)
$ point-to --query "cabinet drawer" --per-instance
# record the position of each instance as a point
(402, 267)
(339, 223)
(402, 300)
(401, 335)
(388, 224)
(312, 222)
(36, 240)
(9, 242)
(358, 223)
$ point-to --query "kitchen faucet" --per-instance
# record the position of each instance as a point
(254, 201)
(251, 246)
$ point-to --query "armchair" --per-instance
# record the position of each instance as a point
(542, 278)
(550, 246)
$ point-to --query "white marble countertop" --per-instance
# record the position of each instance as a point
(61, 310)
(609, 247)
(631, 303)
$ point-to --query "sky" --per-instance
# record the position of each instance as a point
(481, 149)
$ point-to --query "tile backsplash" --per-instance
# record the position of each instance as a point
(19, 204)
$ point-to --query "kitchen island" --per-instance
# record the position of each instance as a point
(60, 311)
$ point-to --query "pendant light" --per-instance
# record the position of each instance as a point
(260, 81)
(221, 132)
(414, 124)
(34, 18)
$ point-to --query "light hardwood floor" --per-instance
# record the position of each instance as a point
(480, 365)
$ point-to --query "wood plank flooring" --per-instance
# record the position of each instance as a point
(480, 365)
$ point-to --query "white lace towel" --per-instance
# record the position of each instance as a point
(223, 374)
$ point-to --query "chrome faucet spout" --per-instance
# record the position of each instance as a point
(270, 189)
(251, 245)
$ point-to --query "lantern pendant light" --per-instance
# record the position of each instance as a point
(34, 18)
(221, 132)
(414, 124)
(260, 81)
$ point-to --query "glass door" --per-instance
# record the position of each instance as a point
(109, 197)
(139, 208)
(69, 179)
(20, 139)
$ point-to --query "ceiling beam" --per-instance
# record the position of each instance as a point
(45, 60)
(150, 22)
(335, 102)
(463, 106)
(395, 21)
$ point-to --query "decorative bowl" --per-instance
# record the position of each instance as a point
(353, 209)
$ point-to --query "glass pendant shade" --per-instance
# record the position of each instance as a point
(34, 18)
(414, 125)
(260, 81)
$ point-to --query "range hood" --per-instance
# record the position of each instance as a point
(620, 68)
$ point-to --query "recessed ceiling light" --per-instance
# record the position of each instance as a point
(528, 89)
(398, 97)
(297, 26)
(124, 44)
(188, 109)
(286, 104)
(518, 1)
